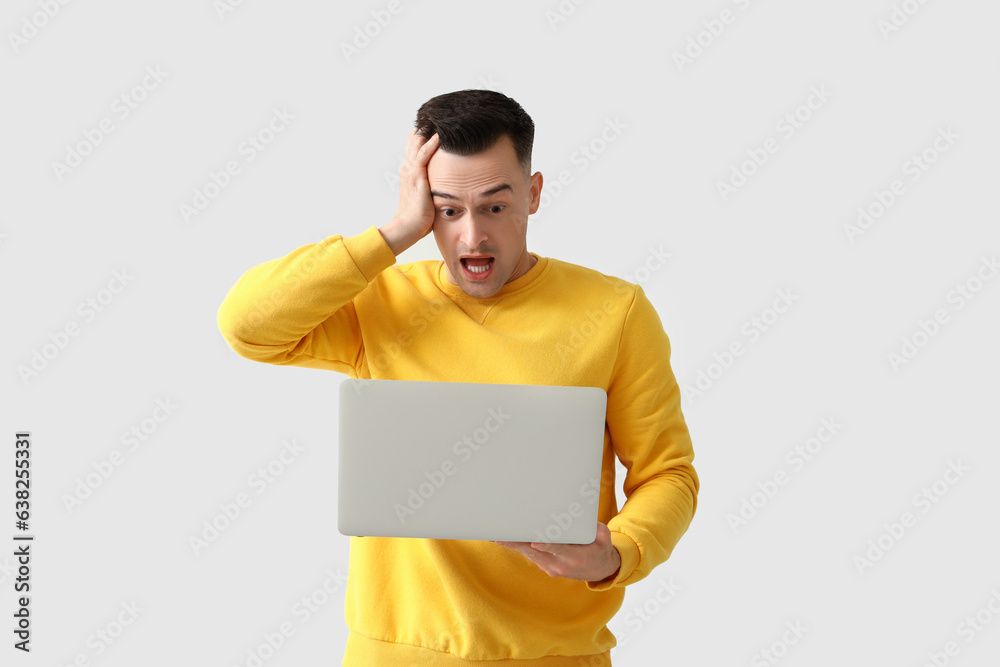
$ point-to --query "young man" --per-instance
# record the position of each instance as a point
(489, 311)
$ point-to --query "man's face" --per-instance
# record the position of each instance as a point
(482, 203)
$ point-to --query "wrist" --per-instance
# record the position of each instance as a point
(395, 239)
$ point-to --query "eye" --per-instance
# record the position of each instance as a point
(444, 212)
(497, 206)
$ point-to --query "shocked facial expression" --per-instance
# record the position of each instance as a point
(482, 203)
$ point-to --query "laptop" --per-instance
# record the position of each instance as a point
(470, 461)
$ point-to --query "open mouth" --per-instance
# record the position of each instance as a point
(477, 268)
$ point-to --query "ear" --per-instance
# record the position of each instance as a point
(535, 192)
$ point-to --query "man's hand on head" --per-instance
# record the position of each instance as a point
(596, 561)
(414, 218)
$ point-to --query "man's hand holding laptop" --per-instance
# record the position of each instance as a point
(596, 561)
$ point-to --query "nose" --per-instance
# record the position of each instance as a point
(473, 232)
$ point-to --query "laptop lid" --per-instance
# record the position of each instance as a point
(470, 461)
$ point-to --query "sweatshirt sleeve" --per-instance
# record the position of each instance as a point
(298, 309)
(651, 439)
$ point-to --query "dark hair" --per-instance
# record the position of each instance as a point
(472, 121)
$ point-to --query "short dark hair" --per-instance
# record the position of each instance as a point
(472, 121)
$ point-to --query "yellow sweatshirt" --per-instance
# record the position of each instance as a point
(342, 305)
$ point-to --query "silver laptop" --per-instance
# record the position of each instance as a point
(470, 461)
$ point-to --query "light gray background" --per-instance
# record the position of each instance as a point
(331, 171)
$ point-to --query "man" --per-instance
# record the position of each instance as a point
(490, 311)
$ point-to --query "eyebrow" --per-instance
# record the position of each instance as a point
(482, 195)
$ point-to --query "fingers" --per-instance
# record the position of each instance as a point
(416, 206)
(419, 149)
(427, 150)
(418, 154)
(536, 556)
(412, 145)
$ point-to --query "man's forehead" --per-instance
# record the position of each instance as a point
(489, 192)
(485, 174)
